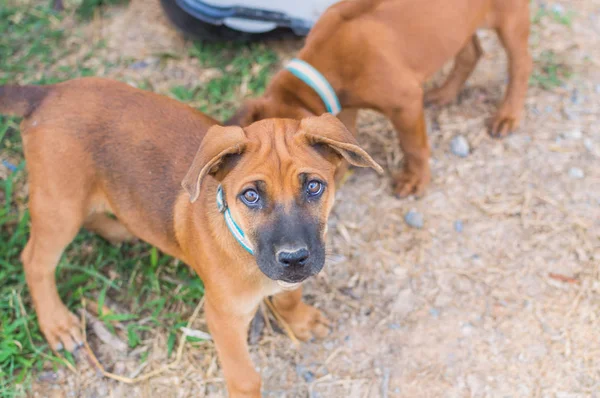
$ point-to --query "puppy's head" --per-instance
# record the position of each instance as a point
(277, 177)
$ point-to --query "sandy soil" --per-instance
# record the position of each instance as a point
(506, 308)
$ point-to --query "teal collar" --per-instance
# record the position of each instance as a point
(317, 82)
(235, 229)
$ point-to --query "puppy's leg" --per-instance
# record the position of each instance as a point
(464, 64)
(53, 226)
(229, 330)
(348, 117)
(111, 230)
(306, 321)
(409, 121)
(513, 31)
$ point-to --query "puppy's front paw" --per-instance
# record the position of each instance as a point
(409, 182)
(505, 121)
(61, 328)
(307, 323)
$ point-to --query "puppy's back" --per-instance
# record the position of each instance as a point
(129, 147)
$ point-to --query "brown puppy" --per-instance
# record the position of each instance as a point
(377, 54)
(94, 146)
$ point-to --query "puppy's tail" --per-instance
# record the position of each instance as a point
(21, 100)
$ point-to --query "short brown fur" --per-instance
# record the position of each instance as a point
(94, 146)
(378, 54)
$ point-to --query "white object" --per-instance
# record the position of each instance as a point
(245, 15)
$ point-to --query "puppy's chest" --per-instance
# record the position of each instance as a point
(252, 297)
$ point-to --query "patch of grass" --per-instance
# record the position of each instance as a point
(549, 72)
(29, 40)
(87, 8)
(148, 285)
(557, 15)
(244, 68)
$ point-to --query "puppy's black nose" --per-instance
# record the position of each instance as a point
(293, 258)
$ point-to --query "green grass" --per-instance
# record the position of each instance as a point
(549, 71)
(146, 284)
(87, 8)
(241, 65)
(563, 18)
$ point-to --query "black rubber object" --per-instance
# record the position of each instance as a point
(200, 30)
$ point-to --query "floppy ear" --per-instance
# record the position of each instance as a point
(249, 113)
(218, 143)
(329, 130)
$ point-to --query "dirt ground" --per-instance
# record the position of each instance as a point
(496, 296)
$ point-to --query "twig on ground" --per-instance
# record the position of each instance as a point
(148, 375)
(329, 359)
(265, 315)
(104, 334)
(286, 327)
(563, 278)
(385, 383)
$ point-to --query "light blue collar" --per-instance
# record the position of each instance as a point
(235, 229)
(317, 82)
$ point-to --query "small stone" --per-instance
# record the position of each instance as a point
(597, 88)
(48, 377)
(434, 312)
(405, 303)
(570, 114)
(467, 329)
(414, 219)
(549, 109)
(329, 345)
(394, 326)
(306, 374)
(139, 65)
(458, 226)
(558, 8)
(588, 144)
(576, 172)
(575, 134)
(575, 97)
(460, 146)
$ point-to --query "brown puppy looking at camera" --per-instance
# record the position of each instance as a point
(378, 53)
(250, 219)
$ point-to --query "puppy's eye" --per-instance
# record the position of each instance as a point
(250, 197)
(314, 188)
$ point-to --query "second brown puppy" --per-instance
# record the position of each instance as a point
(378, 53)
